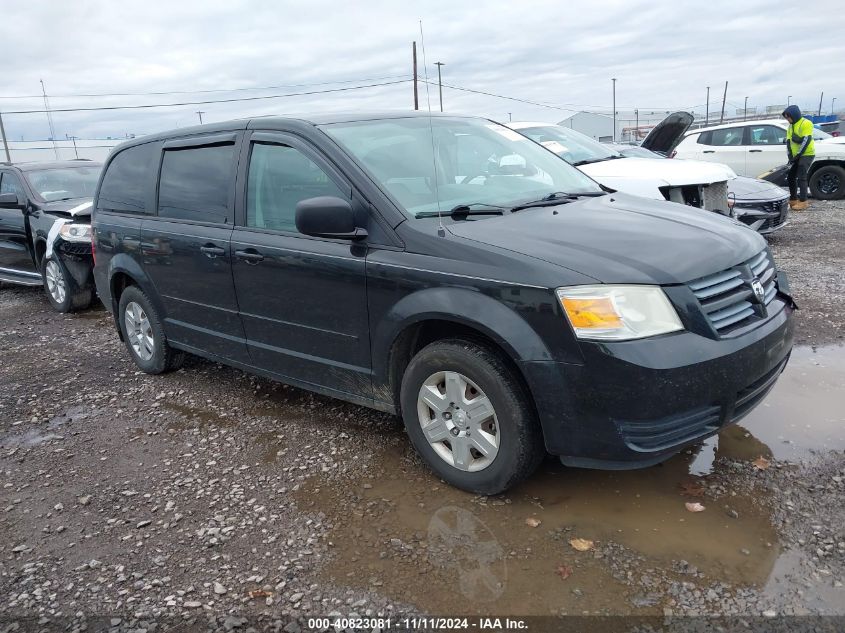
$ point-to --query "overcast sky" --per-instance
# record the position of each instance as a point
(554, 52)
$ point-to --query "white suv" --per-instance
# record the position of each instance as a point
(752, 148)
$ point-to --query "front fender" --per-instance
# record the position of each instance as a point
(471, 308)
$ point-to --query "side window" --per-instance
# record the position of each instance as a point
(279, 177)
(127, 178)
(9, 183)
(195, 183)
(705, 138)
(766, 135)
(727, 136)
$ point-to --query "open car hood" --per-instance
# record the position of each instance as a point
(666, 135)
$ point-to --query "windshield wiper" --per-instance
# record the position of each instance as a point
(466, 209)
(587, 161)
(556, 198)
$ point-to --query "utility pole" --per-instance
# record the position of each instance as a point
(440, 83)
(724, 97)
(637, 126)
(73, 138)
(510, 118)
(614, 109)
(416, 94)
(49, 119)
(820, 103)
(745, 110)
(707, 108)
(6, 143)
(200, 113)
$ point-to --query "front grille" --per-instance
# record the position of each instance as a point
(655, 435)
(727, 297)
(778, 210)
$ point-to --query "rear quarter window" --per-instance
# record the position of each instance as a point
(127, 179)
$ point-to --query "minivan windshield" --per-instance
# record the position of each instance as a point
(64, 183)
(478, 163)
(573, 147)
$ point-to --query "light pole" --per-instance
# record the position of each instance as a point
(789, 101)
(707, 108)
(745, 110)
(832, 101)
(440, 83)
(614, 109)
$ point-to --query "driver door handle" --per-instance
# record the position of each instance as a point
(709, 151)
(755, 150)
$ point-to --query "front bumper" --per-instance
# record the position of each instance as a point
(635, 403)
(77, 259)
(764, 216)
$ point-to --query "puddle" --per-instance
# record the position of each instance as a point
(192, 417)
(802, 415)
(41, 434)
(447, 551)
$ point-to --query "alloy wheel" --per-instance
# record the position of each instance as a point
(458, 421)
(828, 183)
(55, 281)
(139, 331)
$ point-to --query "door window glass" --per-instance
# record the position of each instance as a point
(9, 183)
(280, 177)
(195, 183)
(727, 136)
(767, 135)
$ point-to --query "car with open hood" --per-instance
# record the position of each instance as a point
(756, 148)
(446, 269)
(45, 229)
(759, 204)
(693, 183)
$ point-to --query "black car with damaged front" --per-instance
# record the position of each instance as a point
(451, 271)
(45, 229)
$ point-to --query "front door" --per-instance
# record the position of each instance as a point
(14, 249)
(766, 149)
(186, 248)
(726, 147)
(303, 300)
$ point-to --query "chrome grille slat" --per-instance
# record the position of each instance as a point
(727, 297)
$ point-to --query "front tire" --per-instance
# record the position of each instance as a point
(143, 334)
(468, 415)
(828, 183)
(61, 293)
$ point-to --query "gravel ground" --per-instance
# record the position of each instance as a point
(212, 497)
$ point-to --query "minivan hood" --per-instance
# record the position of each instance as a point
(666, 135)
(674, 173)
(619, 238)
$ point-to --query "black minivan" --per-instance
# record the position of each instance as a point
(446, 269)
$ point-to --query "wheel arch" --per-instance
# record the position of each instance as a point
(124, 271)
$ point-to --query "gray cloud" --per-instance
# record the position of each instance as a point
(560, 53)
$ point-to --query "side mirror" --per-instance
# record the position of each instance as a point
(11, 201)
(327, 216)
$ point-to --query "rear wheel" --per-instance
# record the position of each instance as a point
(828, 182)
(469, 417)
(143, 334)
(61, 293)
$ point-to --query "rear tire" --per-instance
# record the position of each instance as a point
(828, 183)
(59, 289)
(469, 417)
(143, 334)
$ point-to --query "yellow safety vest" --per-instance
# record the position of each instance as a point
(795, 134)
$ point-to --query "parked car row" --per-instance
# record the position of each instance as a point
(448, 270)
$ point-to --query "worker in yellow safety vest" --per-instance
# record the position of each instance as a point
(801, 151)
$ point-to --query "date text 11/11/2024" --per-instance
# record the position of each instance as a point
(416, 624)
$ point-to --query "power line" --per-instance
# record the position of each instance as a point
(183, 92)
(210, 101)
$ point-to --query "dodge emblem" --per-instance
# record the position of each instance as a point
(758, 289)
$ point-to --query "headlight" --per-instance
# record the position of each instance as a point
(76, 232)
(618, 313)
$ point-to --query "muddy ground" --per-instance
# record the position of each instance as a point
(212, 494)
